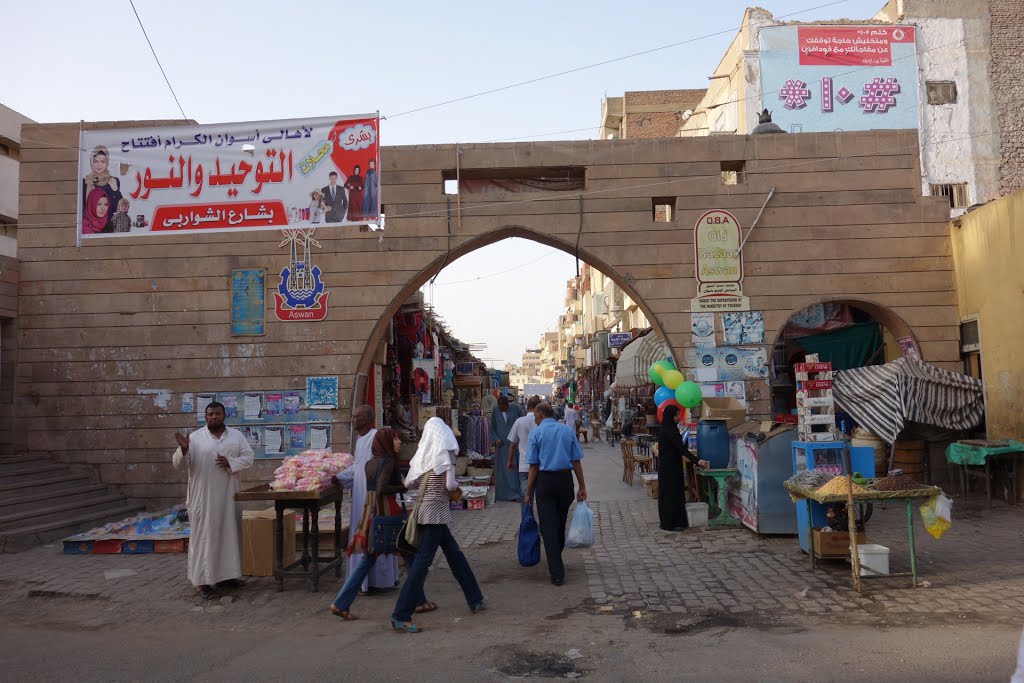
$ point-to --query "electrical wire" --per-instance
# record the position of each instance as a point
(601, 63)
(484, 277)
(153, 50)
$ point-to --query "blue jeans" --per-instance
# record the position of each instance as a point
(432, 537)
(350, 589)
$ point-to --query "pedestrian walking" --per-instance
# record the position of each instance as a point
(435, 460)
(213, 456)
(502, 418)
(519, 441)
(554, 454)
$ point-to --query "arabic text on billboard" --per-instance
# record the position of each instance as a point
(271, 175)
(825, 78)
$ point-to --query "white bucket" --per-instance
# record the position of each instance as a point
(873, 556)
(697, 514)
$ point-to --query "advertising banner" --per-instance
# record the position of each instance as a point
(269, 175)
(825, 78)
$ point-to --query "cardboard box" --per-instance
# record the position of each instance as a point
(258, 541)
(835, 543)
(475, 504)
(728, 409)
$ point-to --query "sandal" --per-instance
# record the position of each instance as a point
(207, 593)
(399, 627)
(343, 613)
(425, 607)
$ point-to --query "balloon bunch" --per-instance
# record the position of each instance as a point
(673, 388)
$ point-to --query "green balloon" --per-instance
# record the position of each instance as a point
(654, 373)
(664, 365)
(688, 394)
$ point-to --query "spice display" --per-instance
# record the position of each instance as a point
(810, 479)
(841, 485)
(897, 482)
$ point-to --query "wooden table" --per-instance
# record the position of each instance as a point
(720, 476)
(309, 502)
(981, 459)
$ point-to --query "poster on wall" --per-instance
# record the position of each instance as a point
(850, 77)
(231, 177)
(321, 393)
(909, 347)
(248, 302)
(702, 326)
(743, 328)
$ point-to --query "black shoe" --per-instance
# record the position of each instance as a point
(557, 582)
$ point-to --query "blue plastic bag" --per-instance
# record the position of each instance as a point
(529, 539)
(581, 529)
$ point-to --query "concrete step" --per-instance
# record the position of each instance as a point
(57, 509)
(24, 537)
(16, 473)
(61, 480)
(38, 495)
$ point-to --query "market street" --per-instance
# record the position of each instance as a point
(640, 602)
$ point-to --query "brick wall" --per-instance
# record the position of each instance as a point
(1008, 87)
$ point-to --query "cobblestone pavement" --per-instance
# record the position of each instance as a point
(973, 571)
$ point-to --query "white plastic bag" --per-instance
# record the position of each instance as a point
(944, 507)
(581, 528)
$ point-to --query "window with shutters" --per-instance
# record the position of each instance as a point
(941, 92)
(957, 193)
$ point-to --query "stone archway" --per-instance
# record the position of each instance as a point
(479, 242)
(881, 314)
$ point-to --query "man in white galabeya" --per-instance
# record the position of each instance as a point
(213, 456)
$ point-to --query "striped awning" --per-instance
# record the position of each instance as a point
(883, 398)
(636, 360)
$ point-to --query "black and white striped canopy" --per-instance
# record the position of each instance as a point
(884, 397)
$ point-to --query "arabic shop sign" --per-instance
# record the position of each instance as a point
(826, 78)
(718, 263)
(270, 175)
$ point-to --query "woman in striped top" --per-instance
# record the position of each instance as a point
(435, 460)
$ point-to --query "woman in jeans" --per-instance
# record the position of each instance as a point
(383, 482)
(435, 460)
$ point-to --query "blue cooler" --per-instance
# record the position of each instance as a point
(713, 443)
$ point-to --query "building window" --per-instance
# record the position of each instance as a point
(941, 92)
(451, 186)
(664, 209)
(732, 172)
(956, 193)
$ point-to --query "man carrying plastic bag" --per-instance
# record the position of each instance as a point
(553, 454)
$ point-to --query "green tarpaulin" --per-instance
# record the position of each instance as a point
(969, 454)
(850, 347)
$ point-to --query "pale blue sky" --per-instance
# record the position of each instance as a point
(255, 60)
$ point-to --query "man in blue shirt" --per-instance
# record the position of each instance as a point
(553, 455)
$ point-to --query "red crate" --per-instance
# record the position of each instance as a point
(176, 546)
(787, 419)
(812, 367)
(107, 547)
(816, 384)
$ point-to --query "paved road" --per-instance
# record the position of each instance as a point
(693, 606)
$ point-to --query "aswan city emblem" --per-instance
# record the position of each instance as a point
(301, 294)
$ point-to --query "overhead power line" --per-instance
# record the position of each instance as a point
(151, 49)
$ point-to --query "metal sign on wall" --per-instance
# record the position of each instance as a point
(269, 175)
(617, 340)
(718, 263)
(824, 78)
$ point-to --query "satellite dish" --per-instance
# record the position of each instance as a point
(687, 114)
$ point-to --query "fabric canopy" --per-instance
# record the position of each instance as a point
(852, 347)
(637, 358)
(883, 398)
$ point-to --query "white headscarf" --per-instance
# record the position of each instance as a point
(436, 451)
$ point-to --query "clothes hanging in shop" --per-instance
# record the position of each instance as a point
(477, 434)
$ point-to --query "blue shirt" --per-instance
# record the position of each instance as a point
(553, 446)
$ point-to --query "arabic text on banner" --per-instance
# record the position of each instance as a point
(270, 175)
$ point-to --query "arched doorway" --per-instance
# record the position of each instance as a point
(848, 333)
(479, 242)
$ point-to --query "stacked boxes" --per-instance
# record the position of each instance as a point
(816, 410)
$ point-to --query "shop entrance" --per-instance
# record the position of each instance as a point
(847, 333)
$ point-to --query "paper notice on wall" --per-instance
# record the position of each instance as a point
(203, 400)
(715, 390)
(252, 435)
(707, 374)
(703, 329)
(319, 437)
(273, 440)
(274, 407)
(188, 403)
(253, 406)
(297, 436)
(291, 404)
(736, 390)
(230, 406)
(754, 362)
(743, 328)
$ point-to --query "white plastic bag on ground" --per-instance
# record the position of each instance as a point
(581, 528)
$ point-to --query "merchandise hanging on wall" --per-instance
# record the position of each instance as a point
(231, 177)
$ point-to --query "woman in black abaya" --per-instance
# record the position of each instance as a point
(671, 490)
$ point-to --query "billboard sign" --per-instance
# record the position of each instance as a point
(823, 78)
(269, 175)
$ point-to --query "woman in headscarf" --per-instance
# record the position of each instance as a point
(370, 207)
(382, 484)
(96, 217)
(100, 178)
(671, 487)
(435, 460)
(355, 186)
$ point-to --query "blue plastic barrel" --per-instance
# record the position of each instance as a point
(713, 442)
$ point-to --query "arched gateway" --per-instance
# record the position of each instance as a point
(113, 335)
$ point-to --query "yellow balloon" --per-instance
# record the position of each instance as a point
(672, 378)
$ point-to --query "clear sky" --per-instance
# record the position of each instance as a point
(241, 61)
